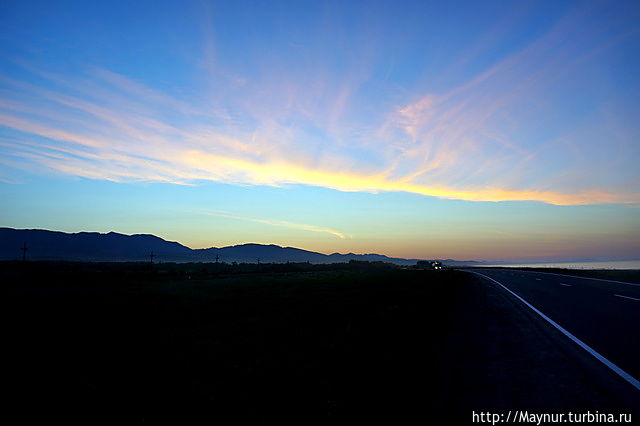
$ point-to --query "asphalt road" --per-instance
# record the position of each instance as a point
(605, 315)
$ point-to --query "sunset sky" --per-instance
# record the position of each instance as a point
(469, 130)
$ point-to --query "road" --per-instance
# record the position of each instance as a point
(605, 315)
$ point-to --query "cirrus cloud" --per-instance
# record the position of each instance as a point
(474, 141)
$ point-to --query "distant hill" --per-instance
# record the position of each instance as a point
(114, 247)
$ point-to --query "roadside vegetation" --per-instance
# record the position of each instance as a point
(298, 342)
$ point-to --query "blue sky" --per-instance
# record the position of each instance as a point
(468, 130)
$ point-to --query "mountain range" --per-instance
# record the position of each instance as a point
(114, 247)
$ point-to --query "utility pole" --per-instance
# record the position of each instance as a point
(24, 251)
(217, 258)
(151, 255)
(258, 261)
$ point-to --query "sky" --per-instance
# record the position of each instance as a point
(499, 131)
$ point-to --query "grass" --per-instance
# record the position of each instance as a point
(108, 342)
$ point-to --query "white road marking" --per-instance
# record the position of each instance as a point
(619, 371)
(538, 279)
(566, 285)
(627, 297)
(584, 278)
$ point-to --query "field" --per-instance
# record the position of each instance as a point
(114, 341)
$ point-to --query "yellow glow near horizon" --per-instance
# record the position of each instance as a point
(282, 173)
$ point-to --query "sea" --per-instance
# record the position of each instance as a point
(618, 264)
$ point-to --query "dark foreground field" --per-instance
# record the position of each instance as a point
(121, 344)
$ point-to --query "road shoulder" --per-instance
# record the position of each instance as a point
(503, 356)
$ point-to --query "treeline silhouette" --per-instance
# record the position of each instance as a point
(45, 270)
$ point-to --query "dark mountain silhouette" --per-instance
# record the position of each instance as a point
(89, 246)
(114, 247)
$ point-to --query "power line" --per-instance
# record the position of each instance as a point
(24, 251)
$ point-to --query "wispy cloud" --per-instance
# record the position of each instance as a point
(474, 141)
(280, 223)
